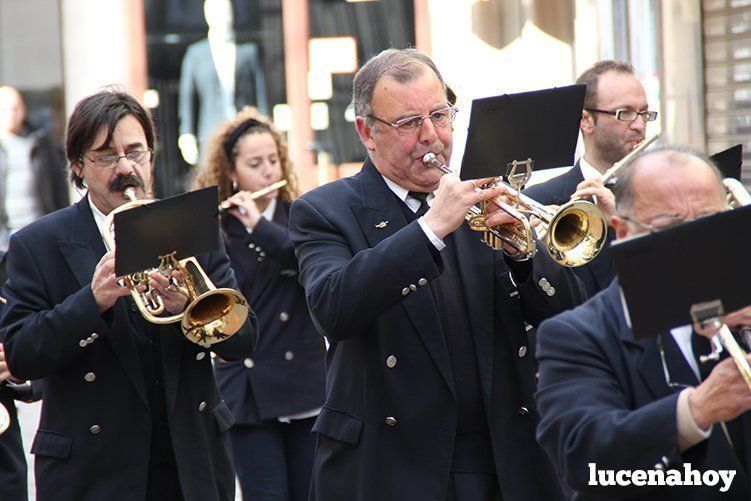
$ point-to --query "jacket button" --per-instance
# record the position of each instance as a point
(550, 291)
(391, 421)
(89, 377)
(248, 362)
(522, 351)
(82, 343)
(659, 466)
(289, 355)
(284, 316)
(94, 335)
(251, 246)
(412, 287)
(405, 291)
(422, 282)
(200, 355)
(201, 406)
(391, 361)
(95, 429)
(523, 411)
(89, 340)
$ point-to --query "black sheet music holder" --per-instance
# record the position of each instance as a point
(186, 224)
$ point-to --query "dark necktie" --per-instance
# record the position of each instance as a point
(423, 198)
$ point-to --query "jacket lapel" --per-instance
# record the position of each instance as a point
(380, 216)
(657, 360)
(82, 251)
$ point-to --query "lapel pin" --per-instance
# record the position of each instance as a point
(382, 224)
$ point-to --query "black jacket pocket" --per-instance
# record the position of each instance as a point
(339, 425)
(52, 444)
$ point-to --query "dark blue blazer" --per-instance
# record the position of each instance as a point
(287, 375)
(603, 398)
(387, 428)
(598, 273)
(96, 417)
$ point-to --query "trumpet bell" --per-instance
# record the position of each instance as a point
(576, 234)
(214, 316)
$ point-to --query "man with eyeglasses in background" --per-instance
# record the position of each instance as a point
(131, 410)
(614, 120)
(428, 380)
(626, 404)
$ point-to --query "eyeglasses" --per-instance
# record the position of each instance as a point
(625, 115)
(139, 157)
(664, 222)
(442, 117)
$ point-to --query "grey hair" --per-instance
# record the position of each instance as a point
(403, 65)
(625, 194)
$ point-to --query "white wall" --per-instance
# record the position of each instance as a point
(101, 47)
(30, 54)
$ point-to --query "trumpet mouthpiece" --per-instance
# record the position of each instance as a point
(429, 158)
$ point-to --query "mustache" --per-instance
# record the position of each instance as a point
(122, 182)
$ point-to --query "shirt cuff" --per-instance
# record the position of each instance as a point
(689, 433)
(437, 242)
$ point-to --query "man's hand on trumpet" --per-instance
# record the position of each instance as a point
(722, 396)
(604, 198)
(244, 208)
(453, 198)
(171, 289)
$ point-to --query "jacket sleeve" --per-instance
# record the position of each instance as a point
(243, 342)
(346, 290)
(586, 412)
(545, 287)
(41, 338)
(274, 240)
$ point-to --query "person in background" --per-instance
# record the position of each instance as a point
(276, 395)
(32, 168)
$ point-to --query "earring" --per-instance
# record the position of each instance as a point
(234, 185)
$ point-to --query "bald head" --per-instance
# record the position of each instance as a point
(666, 185)
(12, 110)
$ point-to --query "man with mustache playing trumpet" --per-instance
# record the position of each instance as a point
(428, 379)
(131, 410)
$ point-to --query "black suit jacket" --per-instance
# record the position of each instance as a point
(287, 374)
(603, 398)
(598, 273)
(387, 428)
(93, 440)
(201, 104)
(13, 470)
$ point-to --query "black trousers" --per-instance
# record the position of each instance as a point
(274, 462)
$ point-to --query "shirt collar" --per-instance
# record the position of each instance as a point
(403, 194)
(588, 171)
(100, 218)
(268, 213)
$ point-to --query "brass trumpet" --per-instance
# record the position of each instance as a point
(574, 234)
(256, 194)
(212, 314)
